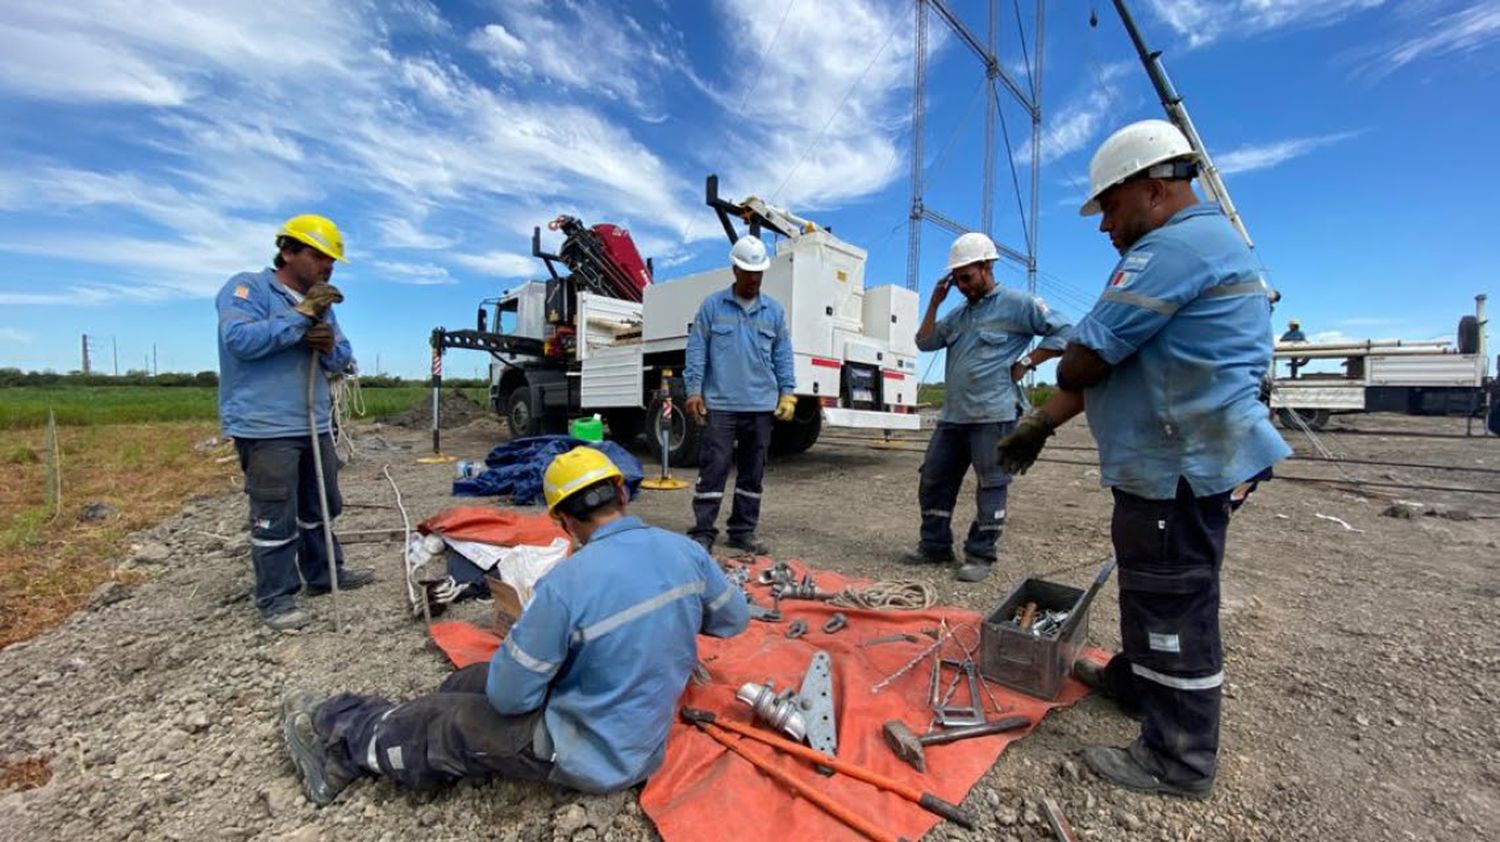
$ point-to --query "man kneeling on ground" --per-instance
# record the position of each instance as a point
(585, 686)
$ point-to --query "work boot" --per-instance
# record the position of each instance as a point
(1119, 767)
(1092, 676)
(323, 776)
(748, 543)
(288, 620)
(349, 579)
(922, 555)
(974, 569)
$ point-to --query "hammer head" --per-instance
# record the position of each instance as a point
(905, 744)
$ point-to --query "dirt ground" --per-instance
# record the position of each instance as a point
(1363, 662)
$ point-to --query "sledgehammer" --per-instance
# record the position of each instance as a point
(909, 747)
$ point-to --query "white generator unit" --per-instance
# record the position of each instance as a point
(854, 349)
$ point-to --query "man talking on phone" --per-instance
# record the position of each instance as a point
(986, 342)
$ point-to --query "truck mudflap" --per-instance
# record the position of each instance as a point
(870, 419)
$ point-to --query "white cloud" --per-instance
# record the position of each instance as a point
(1463, 30)
(402, 232)
(796, 114)
(15, 336)
(583, 46)
(415, 274)
(501, 263)
(1266, 155)
(1075, 125)
(1205, 21)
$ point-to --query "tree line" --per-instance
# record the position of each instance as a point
(17, 377)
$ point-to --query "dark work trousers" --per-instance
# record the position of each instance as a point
(951, 451)
(444, 736)
(286, 517)
(741, 439)
(1171, 666)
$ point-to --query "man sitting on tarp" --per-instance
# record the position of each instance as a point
(585, 686)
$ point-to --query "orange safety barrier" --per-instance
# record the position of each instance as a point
(703, 791)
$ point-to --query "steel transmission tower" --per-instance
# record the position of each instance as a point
(1029, 97)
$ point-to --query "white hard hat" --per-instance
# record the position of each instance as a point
(972, 247)
(1137, 147)
(749, 253)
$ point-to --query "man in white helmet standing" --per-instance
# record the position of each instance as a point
(986, 342)
(739, 378)
(1168, 365)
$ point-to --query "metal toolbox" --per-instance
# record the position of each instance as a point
(1037, 664)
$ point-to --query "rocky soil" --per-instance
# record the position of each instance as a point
(1363, 662)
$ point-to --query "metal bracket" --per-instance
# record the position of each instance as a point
(797, 628)
(817, 704)
(835, 623)
(957, 716)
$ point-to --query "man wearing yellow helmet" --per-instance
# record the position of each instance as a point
(269, 322)
(584, 688)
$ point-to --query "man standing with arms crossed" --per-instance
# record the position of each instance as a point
(269, 323)
(985, 341)
(739, 378)
(1168, 365)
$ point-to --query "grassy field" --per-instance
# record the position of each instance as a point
(26, 406)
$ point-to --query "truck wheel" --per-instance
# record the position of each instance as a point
(625, 425)
(1468, 335)
(797, 435)
(683, 435)
(1313, 418)
(520, 415)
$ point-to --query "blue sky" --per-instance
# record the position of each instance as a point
(151, 148)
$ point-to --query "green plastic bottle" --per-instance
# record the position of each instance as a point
(587, 429)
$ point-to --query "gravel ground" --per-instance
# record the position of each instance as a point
(1362, 662)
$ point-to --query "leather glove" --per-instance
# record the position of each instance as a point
(696, 409)
(1019, 450)
(318, 299)
(320, 337)
(785, 407)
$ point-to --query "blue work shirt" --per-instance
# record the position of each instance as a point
(263, 363)
(1185, 322)
(738, 359)
(984, 339)
(607, 646)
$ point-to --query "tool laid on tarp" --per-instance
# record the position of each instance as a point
(707, 721)
(909, 746)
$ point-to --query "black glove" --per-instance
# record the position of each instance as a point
(318, 299)
(1019, 450)
(320, 337)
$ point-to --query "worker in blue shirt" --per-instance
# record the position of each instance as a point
(986, 341)
(270, 324)
(1167, 365)
(585, 686)
(739, 379)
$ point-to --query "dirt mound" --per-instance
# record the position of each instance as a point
(455, 410)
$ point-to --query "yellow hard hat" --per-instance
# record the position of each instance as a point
(316, 231)
(574, 471)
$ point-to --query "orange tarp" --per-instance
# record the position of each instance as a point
(703, 791)
(493, 526)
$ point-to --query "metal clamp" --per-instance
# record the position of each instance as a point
(835, 623)
(797, 628)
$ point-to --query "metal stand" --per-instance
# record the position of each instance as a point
(665, 482)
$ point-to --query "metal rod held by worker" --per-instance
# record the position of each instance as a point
(437, 386)
(317, 451)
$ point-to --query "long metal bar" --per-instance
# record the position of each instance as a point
(1033, 243)
(991, 107)
(1172, 102)
(919, 90)
(991, 63)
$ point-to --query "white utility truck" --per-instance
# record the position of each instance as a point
(1434, 377)
(574, 345)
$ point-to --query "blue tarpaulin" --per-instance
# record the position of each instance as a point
(515, 468)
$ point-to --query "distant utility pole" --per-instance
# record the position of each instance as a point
(85, 353)
(154, 371)
(115, 345)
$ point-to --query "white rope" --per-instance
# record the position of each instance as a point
(348, 403)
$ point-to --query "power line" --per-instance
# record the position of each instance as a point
(809, 147)
(760, 64)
